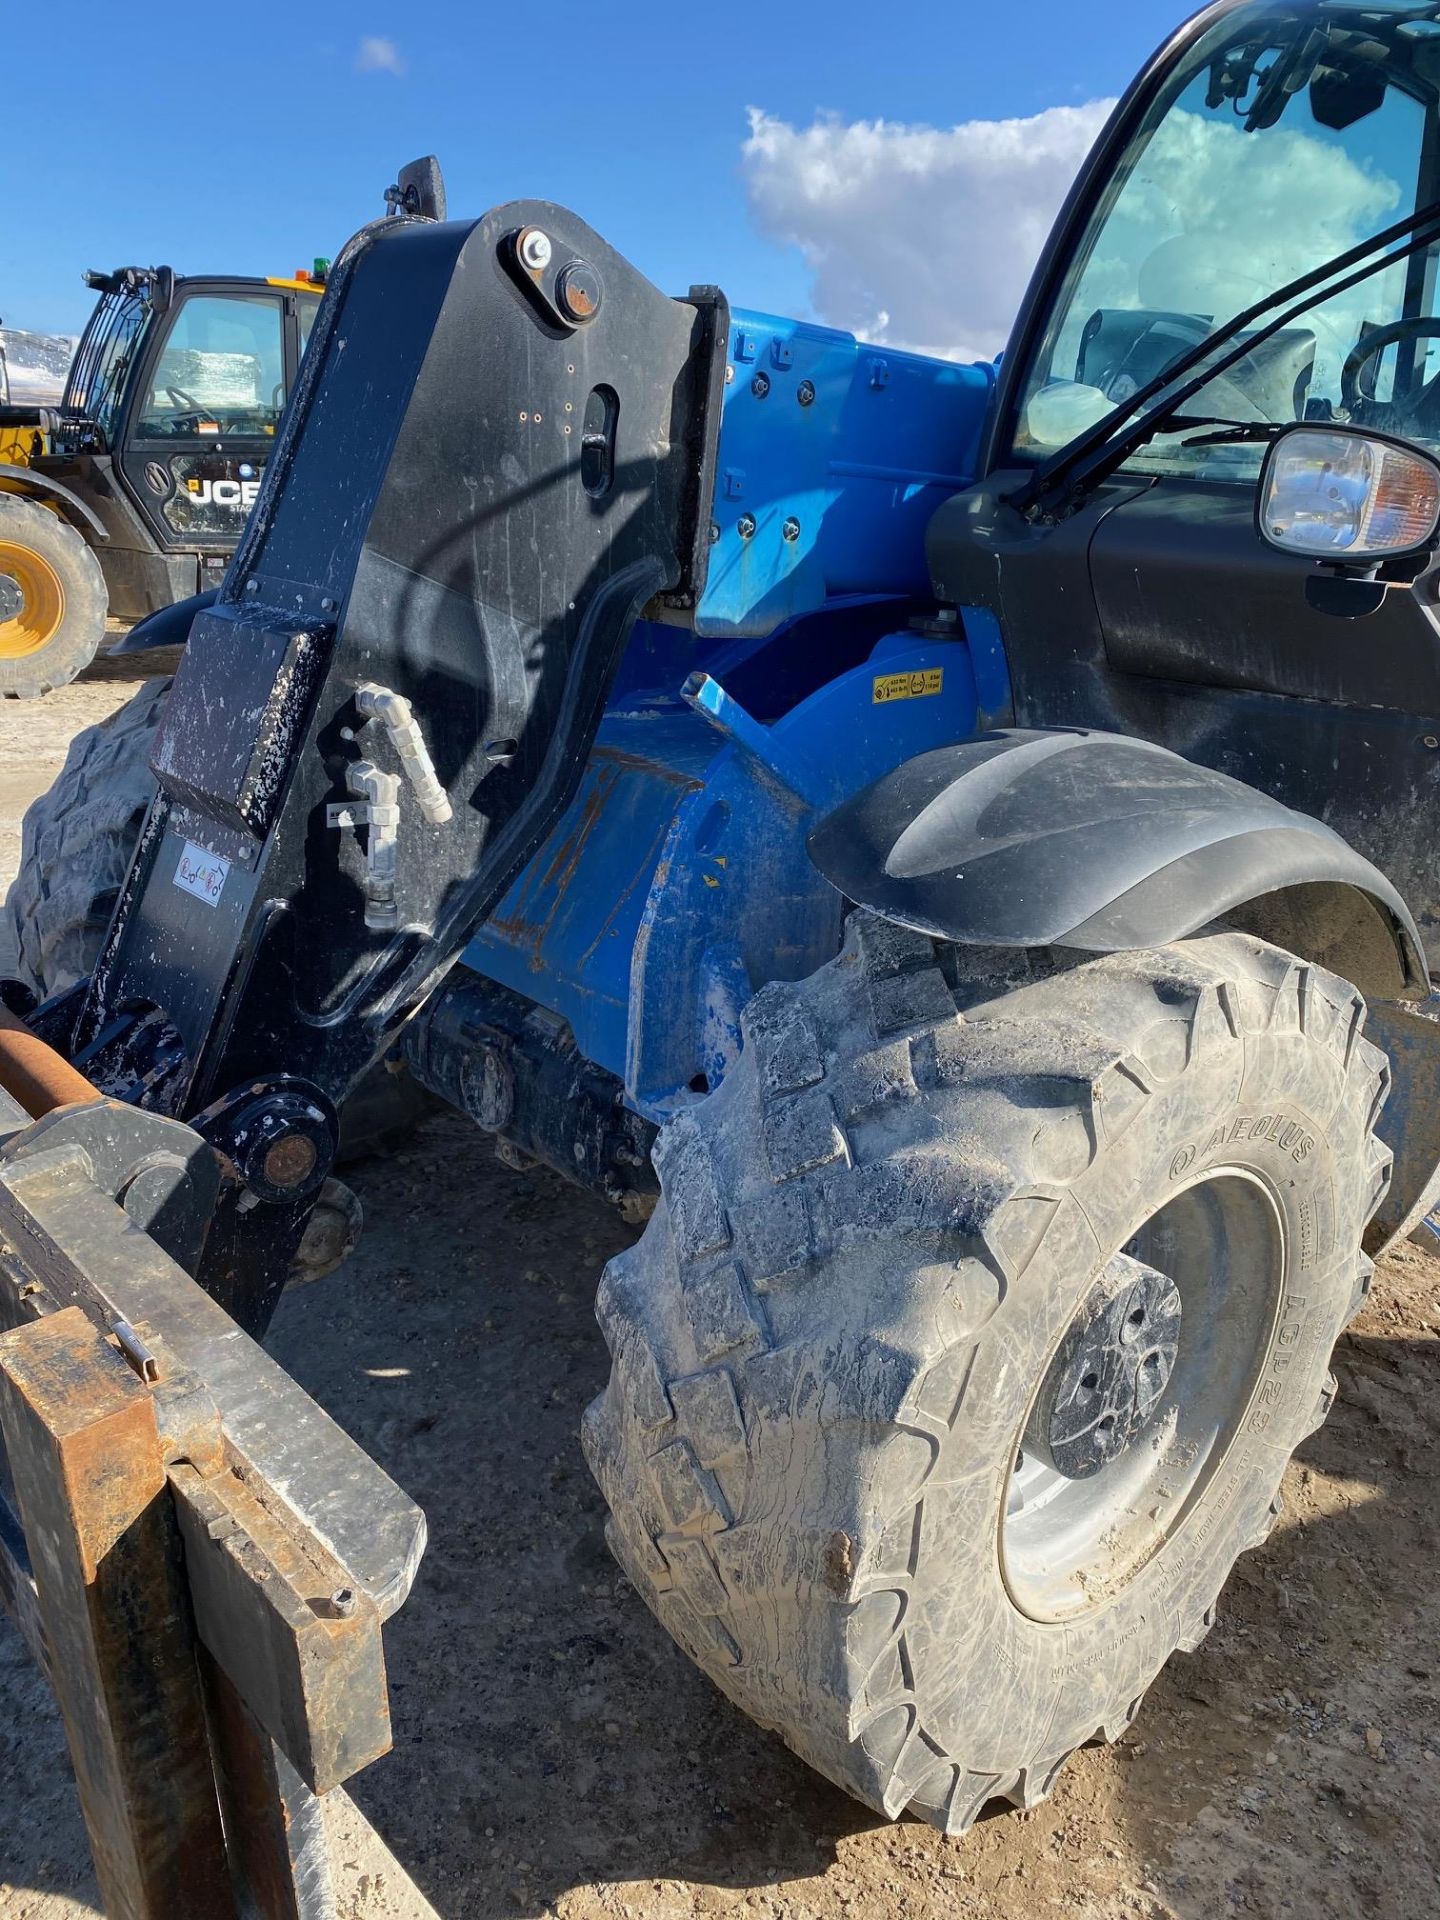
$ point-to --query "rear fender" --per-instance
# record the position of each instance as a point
(1105, 843)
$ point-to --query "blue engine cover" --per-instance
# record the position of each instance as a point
(678, 882)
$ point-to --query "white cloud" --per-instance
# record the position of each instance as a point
(925, 237)
(918, 236)
(375, 54)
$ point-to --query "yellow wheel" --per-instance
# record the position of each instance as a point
(52, 600)
(32, 601)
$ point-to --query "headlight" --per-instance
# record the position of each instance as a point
(1345, 496)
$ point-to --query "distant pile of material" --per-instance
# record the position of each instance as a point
(37, 364)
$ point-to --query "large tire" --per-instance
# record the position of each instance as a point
(77, 842)
(75, 847)
(829, 1346)
(52, 600)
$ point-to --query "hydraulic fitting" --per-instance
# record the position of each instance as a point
(395, 714)
(380, 813)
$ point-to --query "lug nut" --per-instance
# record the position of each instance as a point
(760, 385)
(791, 529)
(805, 393)
(745, 526)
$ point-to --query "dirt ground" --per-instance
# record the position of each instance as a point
(555, 1755)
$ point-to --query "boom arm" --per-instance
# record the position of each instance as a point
(496, 457)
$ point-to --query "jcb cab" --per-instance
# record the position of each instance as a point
(132, 493)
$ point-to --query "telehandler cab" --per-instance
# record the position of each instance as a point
(132, 492)
(921, 833)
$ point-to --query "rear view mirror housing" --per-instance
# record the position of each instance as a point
(419, 190)
(1347, 498)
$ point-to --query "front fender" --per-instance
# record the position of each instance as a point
(39, 486)
(1105, 843)
(167, 626)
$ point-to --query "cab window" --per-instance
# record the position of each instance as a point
(98, 373)
(221, 370)
(1280, 142)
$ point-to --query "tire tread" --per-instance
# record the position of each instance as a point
(1063, 1060)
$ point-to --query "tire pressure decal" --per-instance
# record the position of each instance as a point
(202, 873)
(906, 686)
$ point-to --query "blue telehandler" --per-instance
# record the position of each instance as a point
(950, 849)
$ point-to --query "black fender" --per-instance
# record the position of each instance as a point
(167, 626)
(1105, 843)
(25, 480)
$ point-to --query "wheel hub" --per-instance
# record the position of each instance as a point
(1130, 1422)
(1110, 1372)
(32, 600)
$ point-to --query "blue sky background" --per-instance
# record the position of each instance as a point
(249, 137)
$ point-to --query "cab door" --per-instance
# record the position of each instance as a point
(204, 408)
(1263, 144)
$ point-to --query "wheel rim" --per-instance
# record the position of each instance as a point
(32, 601)
(1072, 1540)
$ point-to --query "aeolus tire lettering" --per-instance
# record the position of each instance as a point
(1275, 1129)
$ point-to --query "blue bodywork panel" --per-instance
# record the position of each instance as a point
(677, 882)
(838, 453)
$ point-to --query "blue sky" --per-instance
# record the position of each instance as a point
(249, 137)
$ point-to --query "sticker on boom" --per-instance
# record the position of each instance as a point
(906, 686)
(202, 873)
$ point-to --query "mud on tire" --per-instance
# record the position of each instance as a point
(871, 1240)
(76, 844)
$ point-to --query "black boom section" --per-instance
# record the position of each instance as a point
(495, 459)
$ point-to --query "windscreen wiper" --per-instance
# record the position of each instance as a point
(1227, 433)
(1224, 432)
(1069, 474)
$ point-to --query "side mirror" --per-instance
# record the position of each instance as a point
(1347, 497)
(419, 191)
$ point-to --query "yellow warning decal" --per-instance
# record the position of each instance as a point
(907, 686)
